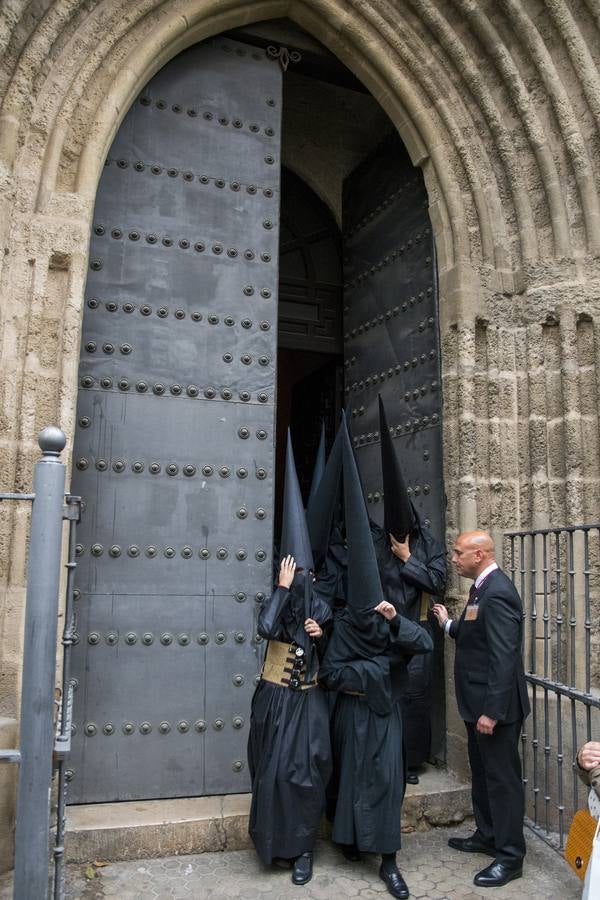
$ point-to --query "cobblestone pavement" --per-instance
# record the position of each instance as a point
(433, 872)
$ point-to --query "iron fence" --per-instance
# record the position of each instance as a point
(557, 573)
(45, 721)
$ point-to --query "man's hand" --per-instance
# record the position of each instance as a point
(401, 549)
(387, 610)
(485, 725)
(441, 614)
(588, 756)
(313, 629)
(287, 571)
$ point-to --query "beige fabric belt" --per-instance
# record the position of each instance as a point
(284, 666)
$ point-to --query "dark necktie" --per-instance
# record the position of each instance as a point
(472, 592)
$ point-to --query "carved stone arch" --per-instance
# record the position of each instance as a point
(91, 110)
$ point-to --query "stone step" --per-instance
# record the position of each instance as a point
(153, 828)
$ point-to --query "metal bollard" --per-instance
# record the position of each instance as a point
(36, 741)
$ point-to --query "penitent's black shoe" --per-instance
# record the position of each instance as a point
(471, 845)
(351, 852)
(303, 868)
(394, 882)
(497, 874)
(412, 778)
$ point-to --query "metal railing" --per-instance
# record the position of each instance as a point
(45, 722)
(557, 573)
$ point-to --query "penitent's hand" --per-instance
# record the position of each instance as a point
(313, 629)
(387, 610)
(401, 549)
(287, 570)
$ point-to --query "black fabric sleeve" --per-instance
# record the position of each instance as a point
(409, 636)
(429, 576)
(502, 622)
(269, 617)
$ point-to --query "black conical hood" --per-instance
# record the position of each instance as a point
(294, 532)
(348, 414)
(398, 515)
(364, 584)
(319, 466)
(319, 513)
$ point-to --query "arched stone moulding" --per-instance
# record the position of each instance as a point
(111, 53)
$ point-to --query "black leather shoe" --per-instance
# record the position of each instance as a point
(394, 882)
(351, 852)
(303, 868)
(470, 845)
(412, 778)
(497, 874)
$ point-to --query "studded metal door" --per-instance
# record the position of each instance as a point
(174, 445)
(391, 343)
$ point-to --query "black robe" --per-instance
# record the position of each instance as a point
(367, 654)
(289, 752)
(403, 585)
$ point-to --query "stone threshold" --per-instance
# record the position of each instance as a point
(154, 828)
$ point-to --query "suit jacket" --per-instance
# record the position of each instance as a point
(488, 666)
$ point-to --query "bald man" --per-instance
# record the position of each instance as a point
(492, 699)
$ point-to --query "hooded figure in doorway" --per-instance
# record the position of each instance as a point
(413, 568)
(289, 753)
(365, 662)
(319, 469)
(326, 541)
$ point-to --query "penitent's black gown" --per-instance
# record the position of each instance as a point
(403, 585)
(289, 752)
(369, 655)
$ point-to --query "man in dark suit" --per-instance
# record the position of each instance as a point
(492, 699)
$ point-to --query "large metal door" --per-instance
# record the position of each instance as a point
(391, 347)
(174, 445)
(391, 343)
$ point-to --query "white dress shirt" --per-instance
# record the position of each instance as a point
(478, 582)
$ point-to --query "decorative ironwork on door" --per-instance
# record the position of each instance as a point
(174, 447)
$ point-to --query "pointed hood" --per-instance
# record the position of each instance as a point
(319, 466)
(294, 532)
(364, 584)
(320, 509)
(399, 517)
(348, 415)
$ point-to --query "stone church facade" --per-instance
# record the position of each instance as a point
(498, 106)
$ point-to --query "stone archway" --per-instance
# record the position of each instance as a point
(499, 108)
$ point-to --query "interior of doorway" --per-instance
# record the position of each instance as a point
(309, 364)
(309, 393)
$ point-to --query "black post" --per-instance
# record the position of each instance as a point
(36, 741)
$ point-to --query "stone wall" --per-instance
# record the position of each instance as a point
(497, 100)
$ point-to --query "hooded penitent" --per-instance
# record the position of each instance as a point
(360, 635)
(364, 585)
(319, 467)
(295, 540)
(365, 662)
(289, 754)
(399, 517)
(321, 503)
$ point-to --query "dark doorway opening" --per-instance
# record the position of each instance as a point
(309, 363)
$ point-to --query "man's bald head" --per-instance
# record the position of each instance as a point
(473, 552)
